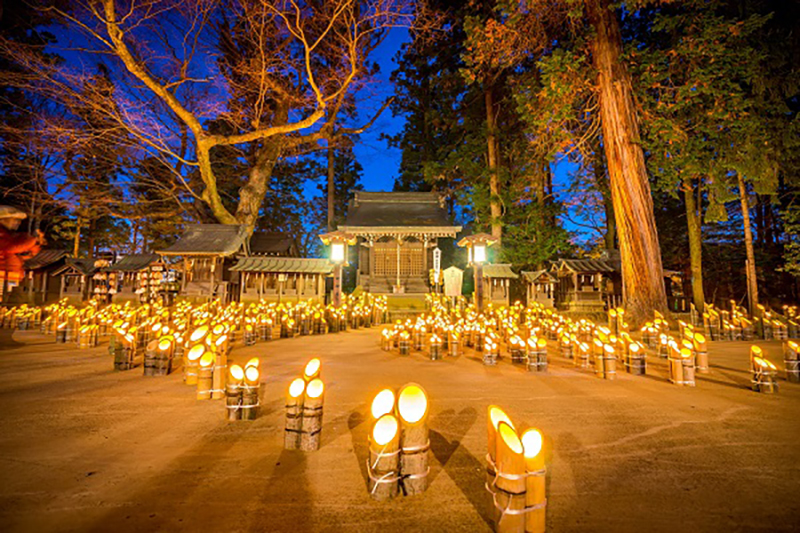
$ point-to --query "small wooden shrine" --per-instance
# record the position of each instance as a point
(397, 233)
(587, 285)
(77, 279)
(282, 278)
(208, 251)
(497, 283)
(135, 278)
(39, 286)
(540, 287)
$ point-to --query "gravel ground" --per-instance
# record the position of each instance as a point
(84, 448)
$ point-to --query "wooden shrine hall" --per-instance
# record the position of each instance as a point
(397, 233)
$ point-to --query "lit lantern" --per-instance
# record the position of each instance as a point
(535, 501)
(476, 246)
(412, 409)
(338, 241)
(294, 414)
(384, 463)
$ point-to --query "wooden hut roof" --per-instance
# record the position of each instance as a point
(502, 270)
(537, 276)
(582, 266)
(283, 265)
(384, 210)
(132, 263)
(272, 243)
(45, 258)
(209, 239)
(82, 266)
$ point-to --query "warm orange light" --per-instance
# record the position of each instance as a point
(312, 368)
(164, 343)
(532, 442)
(196, 352)
(252, 362)
(207, 359)
(237, 373)
(251, 374)
(497, 415)
(315, 388)
(510, 437)
(383, 403)
(297, 388)
(384, 430)
(198, 334)
(412, 403)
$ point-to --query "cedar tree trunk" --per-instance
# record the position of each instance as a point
(752, 283)
(494, 181)
(695, 244)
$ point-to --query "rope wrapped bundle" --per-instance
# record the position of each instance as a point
(386, 339)
(453, 344)
(765, 376)
(510, 481)
(233, 393)
(250, 336)
(435, 347)
(205, 376)
(635, 363)
(791, 361)
(609, 363)
(294, 414)
(311, 425)
(87, 336)
(701, 352)
(597, 357)
(250, 393)
(404, 343)
(490, 351)
(412, 409)
(516, 349)
(383, 467)
(419, 339)
(163, 355)
(581, 360)
(219, 376)
(150, 358)
(61, 333)
(566, 347)
(192, 363)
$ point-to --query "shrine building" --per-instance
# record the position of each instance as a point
(397, 234)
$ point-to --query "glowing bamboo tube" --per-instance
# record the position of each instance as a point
(701, 351)
(192, 362)
(412, 409)
(609, 363)
(311, 427)
(233, 392)
(791, 361)
(204, 376)
(384, 448)
(636, 360)
(495, 415)
(687, 367)
(755, 351)
(294, 414)
(383, 403)
(764, 376)
(250, 390)
(510, 481)
(533, 444)
(312, 369)
(220, 374)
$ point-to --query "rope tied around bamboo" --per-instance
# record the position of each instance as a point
(311, 424)
(412, 409)
(250, 392)
(791, 361)
(383, 465)
(294, 414)
(233, 393)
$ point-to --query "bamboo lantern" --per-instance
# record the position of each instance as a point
(220, 375)
(311, 427)
(233, 393)
(535, 500)
(412, 409)
(404, 343)
(435, 347)
(386, 340)
(384, 450)
(205, 376)
(701, 352)
(61, 333)
(516, 348)
(755, 351)
(510, 481)
(490, 350)
(454, 344)
(687, 363)
(663, 345)
(312, 369)
(791, 361)
(383, 403)
(609, 363)
(150, 354)
(764, 376)
(164, 351)
(252, 384)
(582, 359)
(495, 415)
(294, 414)
(566, 347)
(192, 362)
(636, 363)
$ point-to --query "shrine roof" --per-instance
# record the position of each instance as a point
(209, 239)
(397, 212)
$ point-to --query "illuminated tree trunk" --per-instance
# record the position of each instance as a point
(76, 243)
(695, 244)
(601, 179)
(642, 275)
(494, 180)
(752, 282)
(331, 188)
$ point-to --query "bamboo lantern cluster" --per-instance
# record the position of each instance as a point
(537, 355)
(304, 406)
(517, 473)
(435, 347)
(791, 361)
(399, 443)
(681, 365)
(765, 375)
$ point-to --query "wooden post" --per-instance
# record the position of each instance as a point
(413, 407)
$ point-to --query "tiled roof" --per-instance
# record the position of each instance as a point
(283, 264)
(586, 265)
(538, 275)
(132, 263)
(83, 266)
(209, 239)
(44, 258)
(273, 243)
(397, 209)
(499, 271)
